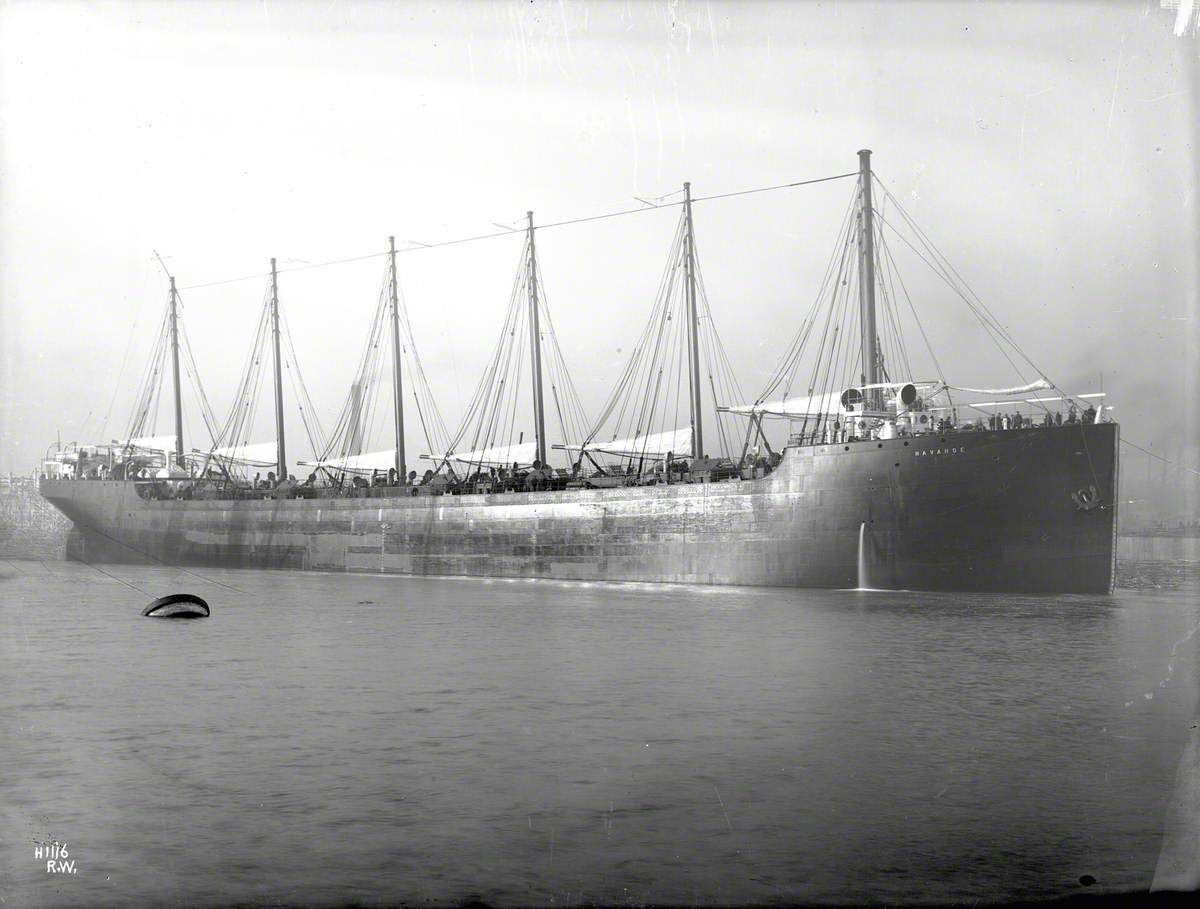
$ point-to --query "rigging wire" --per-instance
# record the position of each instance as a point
(960, 286)
(1159, 457)
(234, 432)
(308, 413)
(838, 358)
(206, 412)
(489, 420)
(651, 395)
(507, 232)
(493, 411)
(573, 422)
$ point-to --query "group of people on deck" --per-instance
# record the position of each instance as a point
(541, 476)
(1016, 421)
(537, 476)
(270, 482)
(835, 431)
(493, 479)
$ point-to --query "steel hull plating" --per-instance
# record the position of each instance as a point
(1025, 510)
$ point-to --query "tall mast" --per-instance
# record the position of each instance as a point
(281, 467)
(397, 386)
(535, 346)
(175, 371)
(693, 332)
(866, 283)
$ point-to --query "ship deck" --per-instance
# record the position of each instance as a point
(1031, 509)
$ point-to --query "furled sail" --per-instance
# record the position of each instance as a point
(367, 462)
(255, 454)
(654, 446)
(1039, 385)
(1038, 400)
(895, 386)
(499, 455)
(804, 405)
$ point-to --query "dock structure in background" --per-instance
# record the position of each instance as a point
(30, 526)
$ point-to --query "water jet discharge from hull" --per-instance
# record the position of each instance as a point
(864, 565)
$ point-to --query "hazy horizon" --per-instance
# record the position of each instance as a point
(1047, 149)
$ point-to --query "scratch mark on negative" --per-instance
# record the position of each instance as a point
(721, 802)
(1149, 695)
(1116, 80)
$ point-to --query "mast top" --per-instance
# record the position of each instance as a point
(693, 318)
(397, 377)
(281, 461)
(535, 350)
(866, 252)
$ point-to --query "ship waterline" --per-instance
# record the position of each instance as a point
(882, 484)
(1028, 510)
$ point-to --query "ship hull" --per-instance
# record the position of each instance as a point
(1029, 510)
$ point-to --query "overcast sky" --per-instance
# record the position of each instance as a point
(1049, 149)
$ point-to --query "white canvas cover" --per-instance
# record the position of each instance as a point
(831, 403)
(655, 445)
(499, 456)
(803, 405)
(1042, 400)
(1039, 385)
(899, 385)
(255, 454)
(367, 462)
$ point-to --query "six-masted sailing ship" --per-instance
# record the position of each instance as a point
(887, 480)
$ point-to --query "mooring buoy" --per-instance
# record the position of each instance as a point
(177, 606)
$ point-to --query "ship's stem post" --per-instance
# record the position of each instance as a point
(281, 467)
(535, 347)
(689, 265)
(397, 379)
(866, 283)
(175, 371)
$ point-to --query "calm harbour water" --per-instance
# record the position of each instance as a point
(328, 739)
